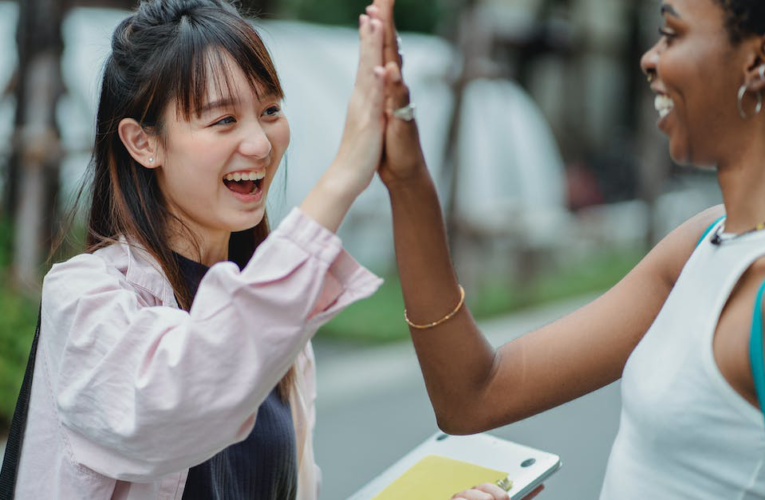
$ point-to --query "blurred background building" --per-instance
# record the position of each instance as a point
(537, 124)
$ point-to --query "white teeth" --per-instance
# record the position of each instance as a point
(663, 104)
(246, 176)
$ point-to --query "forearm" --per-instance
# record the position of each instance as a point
(456, 359)
(330, 199)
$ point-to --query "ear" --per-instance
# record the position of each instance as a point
(138, 142)
(754, 76)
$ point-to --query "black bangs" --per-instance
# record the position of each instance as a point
(205, 48)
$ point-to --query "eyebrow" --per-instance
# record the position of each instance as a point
(229, 102)
(220, 103)
(668, 9)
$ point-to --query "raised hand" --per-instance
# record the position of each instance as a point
(360, 151)
(361, 144)
(402, 155)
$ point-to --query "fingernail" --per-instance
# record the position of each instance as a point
(379, 71)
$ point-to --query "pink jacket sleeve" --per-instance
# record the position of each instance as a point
(146, 390)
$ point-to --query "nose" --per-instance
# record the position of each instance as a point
(255, 142)
(650, 60)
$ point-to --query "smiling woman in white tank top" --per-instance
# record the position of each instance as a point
(683, 329)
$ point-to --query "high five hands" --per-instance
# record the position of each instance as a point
(402, 157)
(402, 160)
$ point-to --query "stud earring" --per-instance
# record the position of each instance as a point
(151, 160)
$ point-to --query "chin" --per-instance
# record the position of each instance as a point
(680, 152)
(248, 222)
(683, 156)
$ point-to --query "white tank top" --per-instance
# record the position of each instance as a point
(685, 433)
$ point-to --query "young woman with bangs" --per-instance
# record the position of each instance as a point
(683, 330)
(174, 356)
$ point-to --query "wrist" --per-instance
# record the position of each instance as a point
(415, 180)
(329, 200)
(339, 184)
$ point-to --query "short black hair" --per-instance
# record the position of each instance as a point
(743, 18)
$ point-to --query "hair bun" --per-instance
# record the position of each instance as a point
(162, 12)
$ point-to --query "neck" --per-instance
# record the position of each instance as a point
(206, 247)
(742, 182)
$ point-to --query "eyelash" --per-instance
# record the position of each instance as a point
(223, 121)
(667, 34)
(273, 111)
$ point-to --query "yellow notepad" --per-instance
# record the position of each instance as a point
(438, 478)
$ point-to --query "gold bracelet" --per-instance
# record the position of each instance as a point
(442, 320)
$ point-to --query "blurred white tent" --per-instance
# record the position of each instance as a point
(511, 177)
(510, 171)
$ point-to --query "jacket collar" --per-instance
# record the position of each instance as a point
(144, 271)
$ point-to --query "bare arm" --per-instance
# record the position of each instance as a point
(472, 386)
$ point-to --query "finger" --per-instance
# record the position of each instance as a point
(383, 10)
(535, 492)
(370, 51)
(495, 491)
(396, 91)
(473, 494)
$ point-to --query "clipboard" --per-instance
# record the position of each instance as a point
(526, 467)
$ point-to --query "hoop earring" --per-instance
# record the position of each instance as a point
(740, 103)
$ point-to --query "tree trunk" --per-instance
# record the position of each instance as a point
(37, 148)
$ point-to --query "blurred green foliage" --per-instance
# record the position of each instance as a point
(411, 15)
(18, 317)
(380, 318)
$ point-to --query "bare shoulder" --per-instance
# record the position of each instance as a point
(670, 255)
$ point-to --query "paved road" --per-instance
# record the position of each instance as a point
(373, 408)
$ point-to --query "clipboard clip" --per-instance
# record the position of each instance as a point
(506, 483)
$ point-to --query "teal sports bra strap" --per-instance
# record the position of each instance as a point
(756, 358)
(708, 230)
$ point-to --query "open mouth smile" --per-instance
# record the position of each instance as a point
(663, 104)
(245, 182)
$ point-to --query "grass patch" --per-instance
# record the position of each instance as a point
(379, 319)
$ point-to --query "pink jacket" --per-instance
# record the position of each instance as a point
(127, 391)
